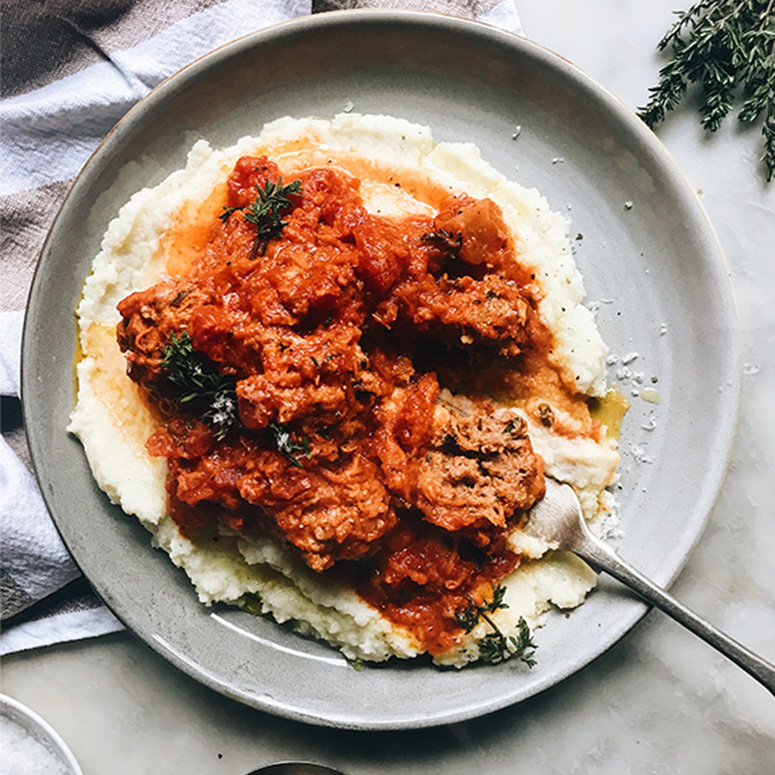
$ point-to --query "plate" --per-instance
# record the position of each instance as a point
(646, 249)
(30, 743)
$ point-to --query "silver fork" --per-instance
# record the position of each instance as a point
(558, 520)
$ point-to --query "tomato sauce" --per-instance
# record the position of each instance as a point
(356, 355)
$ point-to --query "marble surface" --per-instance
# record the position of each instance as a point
(660, 701)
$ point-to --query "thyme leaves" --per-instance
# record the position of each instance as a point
(199, 383)
(266, 212)
(495, 646)
(285, 443)
(228, 212)
(727, 47)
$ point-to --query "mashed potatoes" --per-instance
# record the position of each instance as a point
(398, 165)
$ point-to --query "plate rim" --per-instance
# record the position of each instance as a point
(623, 113)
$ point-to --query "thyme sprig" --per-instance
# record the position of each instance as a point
(267, 209)
(266, 212)
(199, 382)
(495, 646)
(228, 212)
(728, 48)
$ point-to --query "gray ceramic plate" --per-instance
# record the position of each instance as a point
(655, 267)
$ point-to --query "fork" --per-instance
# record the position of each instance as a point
(558, 520)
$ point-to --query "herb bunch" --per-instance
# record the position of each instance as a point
(200, 383)
(266, 212)
(728, 48)
(495, 646)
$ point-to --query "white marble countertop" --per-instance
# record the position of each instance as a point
(658, 702)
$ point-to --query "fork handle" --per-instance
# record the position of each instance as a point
(598, 553)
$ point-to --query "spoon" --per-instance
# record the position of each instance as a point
(558, 520)
(295, 768)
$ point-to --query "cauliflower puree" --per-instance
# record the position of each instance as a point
(484, 446)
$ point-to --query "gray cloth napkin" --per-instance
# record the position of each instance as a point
(70, 70)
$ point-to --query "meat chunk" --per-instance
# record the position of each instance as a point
(329, 514)
(330, 511)
(302, 376)
(480, 468)
(462, 283)
(491, 311)
(148, 318)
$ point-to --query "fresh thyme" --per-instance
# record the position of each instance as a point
(228, 212)
(285, 444)
(495, 646)
(266, 212)
(198, 382)
(728, 48)
(469, 617)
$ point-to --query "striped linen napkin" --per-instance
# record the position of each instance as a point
(92, 61)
